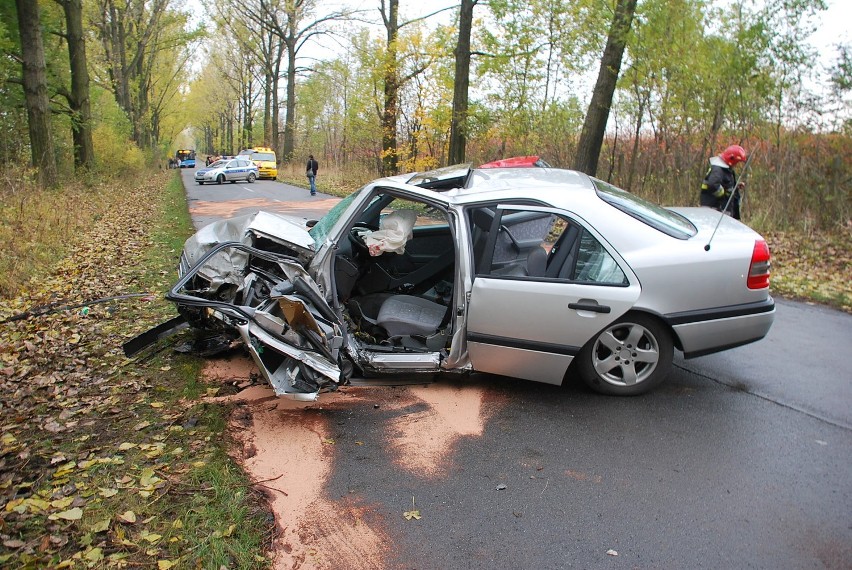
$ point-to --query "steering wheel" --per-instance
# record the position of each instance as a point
(359, 248)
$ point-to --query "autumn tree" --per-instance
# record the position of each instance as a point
(141, 39)
(78, 96)
(458, 127)
(35, 91)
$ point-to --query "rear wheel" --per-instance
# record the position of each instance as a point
(628, 358)
(220, 179)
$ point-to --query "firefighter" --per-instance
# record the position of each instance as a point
(718, 185)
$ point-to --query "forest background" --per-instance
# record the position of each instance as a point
(378, 87)
(107, 461)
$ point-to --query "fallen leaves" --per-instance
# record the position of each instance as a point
(812, 266)
(90, 443)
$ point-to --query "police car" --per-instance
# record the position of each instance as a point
(232, 170)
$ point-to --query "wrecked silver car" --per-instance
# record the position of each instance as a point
(512, 271)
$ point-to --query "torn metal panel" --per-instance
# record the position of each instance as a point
(226, 267)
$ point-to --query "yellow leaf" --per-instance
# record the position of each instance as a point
(37, 505)
(328, 441)
(413, 513)
(157, 404)
(166, 368)
(62, 503)
(150, 537)
(93, 556)
(17, 505)
(141, 426)
(212, 392)
(106, 493)
(177, 523)
(165, 564)
(148, 479)
(230, 530)
(102, 526)
(74, 514)
(128, 517)
(125, 446)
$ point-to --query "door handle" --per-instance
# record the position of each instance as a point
(593, 307)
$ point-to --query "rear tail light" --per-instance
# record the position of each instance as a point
(758, 271)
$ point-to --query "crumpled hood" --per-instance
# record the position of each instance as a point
(227, 267)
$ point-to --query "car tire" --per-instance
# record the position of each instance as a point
(220, 179)
(199, 182)
(629, 357)
(251, 178)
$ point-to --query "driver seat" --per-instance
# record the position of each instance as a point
(406, 315)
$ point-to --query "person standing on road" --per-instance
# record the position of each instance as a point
(311, 173)
(720, 180)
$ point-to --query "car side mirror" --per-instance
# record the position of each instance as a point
(311, 223)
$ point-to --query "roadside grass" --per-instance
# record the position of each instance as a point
(813, 267)
(105, 461)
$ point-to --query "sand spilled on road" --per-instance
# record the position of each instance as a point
(231, 208)
(285, 446)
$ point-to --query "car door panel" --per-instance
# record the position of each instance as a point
(532, 329)
(531, 321)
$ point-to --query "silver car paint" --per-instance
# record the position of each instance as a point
(652, 261)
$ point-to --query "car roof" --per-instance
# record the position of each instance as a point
(463, 181)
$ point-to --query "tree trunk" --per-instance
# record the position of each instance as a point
(35, 92)
(594, 127)
(289, 147)
(81, 119)
(458, 125)
(389, 150)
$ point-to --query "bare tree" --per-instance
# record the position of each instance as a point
(594, 127)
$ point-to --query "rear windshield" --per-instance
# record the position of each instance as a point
(659, 218)
(268, 156)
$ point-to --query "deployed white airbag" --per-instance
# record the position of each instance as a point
(395, 231)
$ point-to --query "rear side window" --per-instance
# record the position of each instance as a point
(659, 218)
(521, 244)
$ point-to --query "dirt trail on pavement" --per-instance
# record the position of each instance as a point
(286, 447)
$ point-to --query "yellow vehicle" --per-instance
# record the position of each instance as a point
(264, 158)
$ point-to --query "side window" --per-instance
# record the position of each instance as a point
(527, 243)
(595, 265)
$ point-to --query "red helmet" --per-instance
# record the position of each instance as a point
(733, 155)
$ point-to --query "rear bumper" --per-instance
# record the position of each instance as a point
(714, 330)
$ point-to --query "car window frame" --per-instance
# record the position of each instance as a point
(496, 222)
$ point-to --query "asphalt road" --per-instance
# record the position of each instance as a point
(741, 459)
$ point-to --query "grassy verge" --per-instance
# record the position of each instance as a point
(813, 267)
(107, 462)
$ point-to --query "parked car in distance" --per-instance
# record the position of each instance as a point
(264, 159)
(230, 170)
(535, 273)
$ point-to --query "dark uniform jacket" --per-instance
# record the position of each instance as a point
(717, 186)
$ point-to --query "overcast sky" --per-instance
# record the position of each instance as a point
(834, 25)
